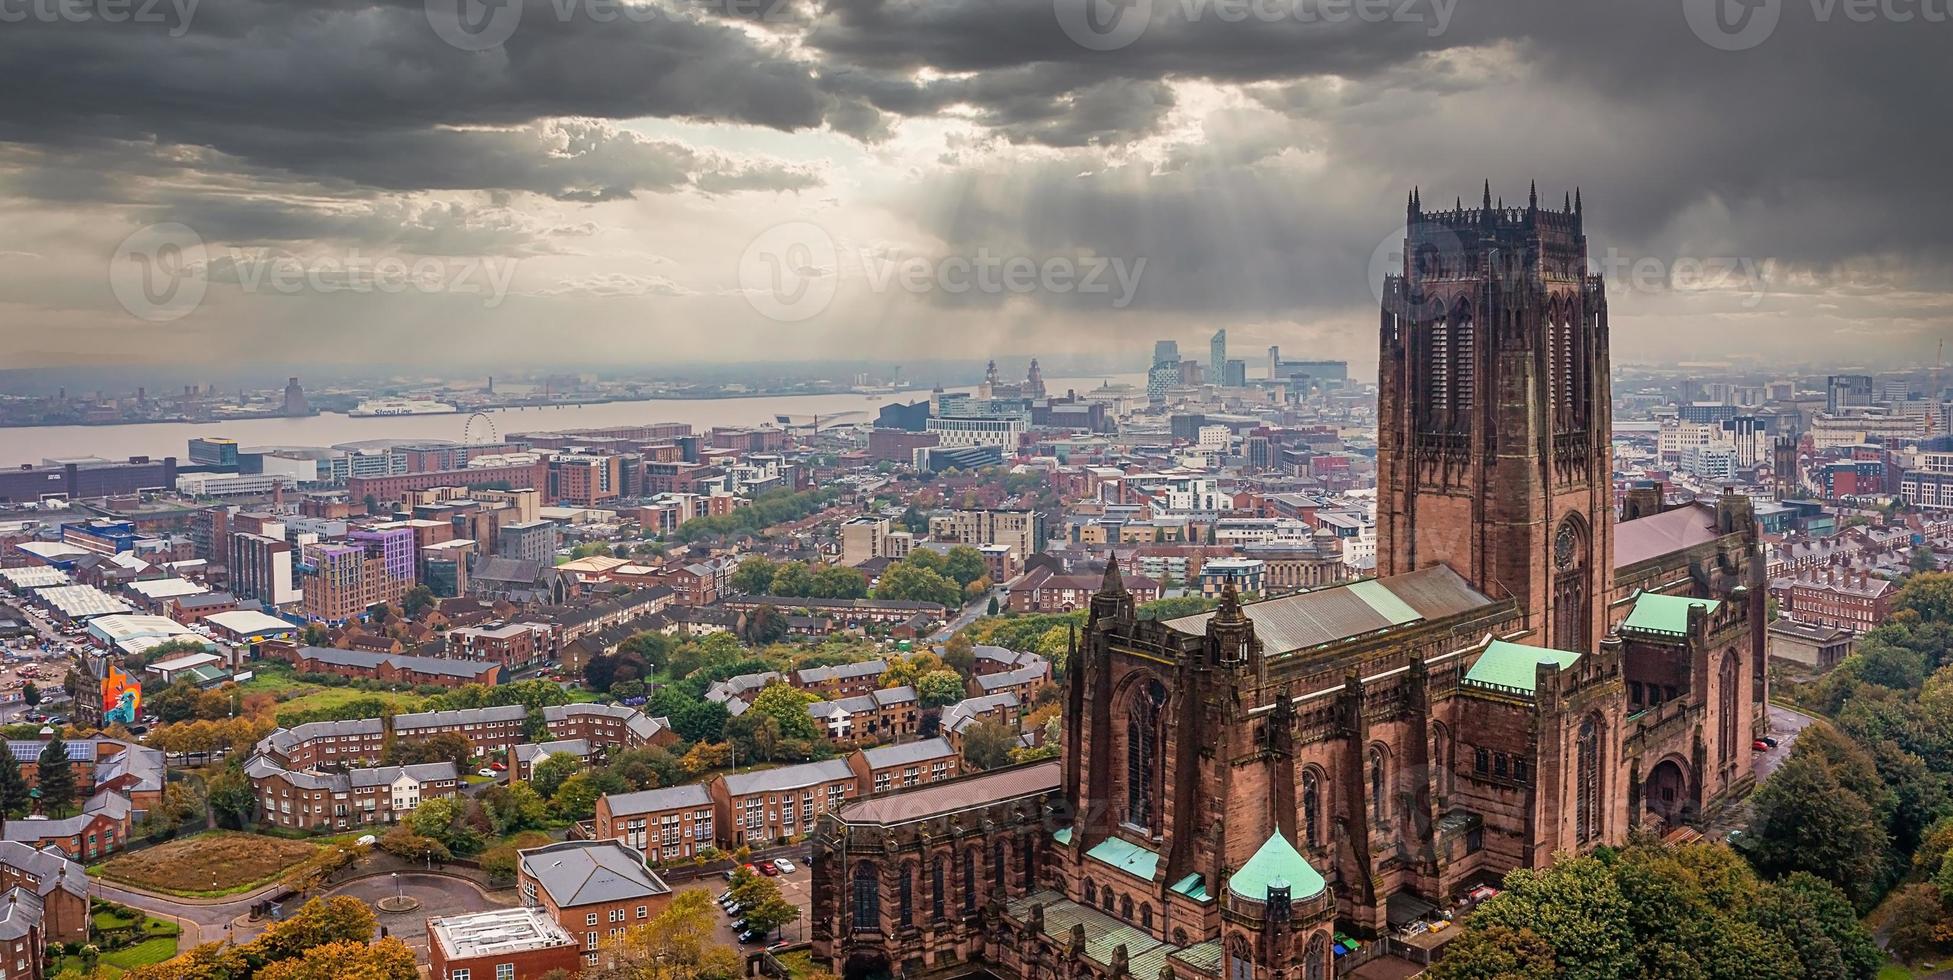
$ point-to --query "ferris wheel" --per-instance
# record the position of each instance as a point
(468, 429)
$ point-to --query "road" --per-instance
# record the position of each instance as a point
(202, 922)
(1785, 725)
(970, 614)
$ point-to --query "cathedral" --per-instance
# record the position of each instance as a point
(1275, 790)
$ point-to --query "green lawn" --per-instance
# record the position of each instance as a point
(1893, 971)
(142, 954)
(160, 946)
(293, 694)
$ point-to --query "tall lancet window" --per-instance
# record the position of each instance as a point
(1440, 393)
(1143, 746)
(1586, 773)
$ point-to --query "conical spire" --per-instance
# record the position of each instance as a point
(1488, 193)
(1566, 202)
(1230, 607)
(1576, 200)
(1113, 584)
(1532, 201)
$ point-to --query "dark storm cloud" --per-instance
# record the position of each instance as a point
(1819, 149)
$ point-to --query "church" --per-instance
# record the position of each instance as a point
(1272, 790)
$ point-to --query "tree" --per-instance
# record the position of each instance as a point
(577, 798)
(55, 778)
(1804, 820)
(548, 775)
(388, 959)
(788, 707)
(232, 800)
(443, 747)
(913, 581)
(418, 598)
(987, 744)
(30, 694)
(1911, 920)
(401, 841)
(939, 688)
(14, 801)
(792, 579)
(1498, 952)
(754, 576)
(959, 654)
(964, 565)
(994, 607)
(764, 625)
(440, 819)
(840, 582)
(515, 807)
(677, 944)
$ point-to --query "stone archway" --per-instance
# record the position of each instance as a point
(1667, 794)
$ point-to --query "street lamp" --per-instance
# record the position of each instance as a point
(397, 893)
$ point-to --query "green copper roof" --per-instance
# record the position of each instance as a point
(1669, 614)
(1193, 886)
(1062, 836)
(1126, 856)
(1276, 864)
(1512, 665)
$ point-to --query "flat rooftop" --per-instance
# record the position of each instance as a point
(496, 932)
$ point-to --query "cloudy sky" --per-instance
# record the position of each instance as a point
(448, 181)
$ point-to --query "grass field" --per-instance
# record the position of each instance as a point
(208, 865)
(294, 694)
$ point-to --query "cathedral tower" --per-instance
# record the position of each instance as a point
(1494, 417)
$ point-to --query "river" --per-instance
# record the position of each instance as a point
(159, 439)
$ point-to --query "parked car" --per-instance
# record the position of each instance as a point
(1759, 746)
(783, 865)
(769, 869)
(749, 937)
(1770, 740)
(498, 766)
(490, 773)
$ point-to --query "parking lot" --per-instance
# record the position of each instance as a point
(796, 888)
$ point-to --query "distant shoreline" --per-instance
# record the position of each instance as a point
(506, 407)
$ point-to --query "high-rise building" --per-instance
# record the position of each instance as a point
(1843, 392)
(1229, 800)
(532, 541)
(1166, 352)
(1217, 357)
(295, 404)
(262, 565)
